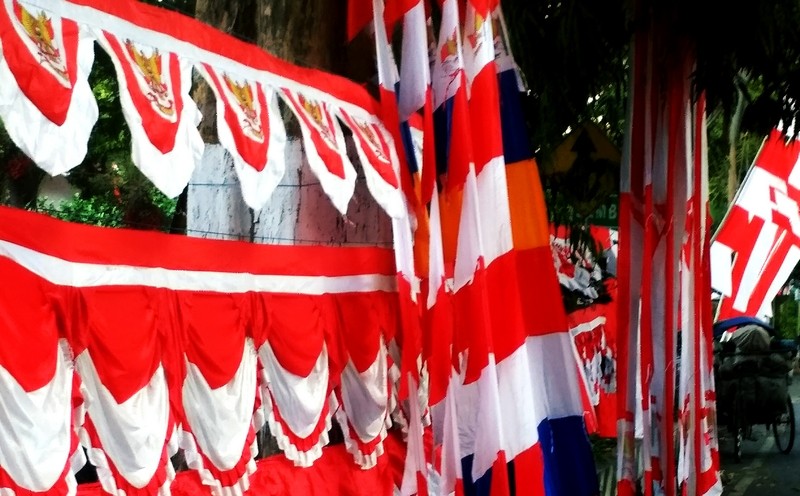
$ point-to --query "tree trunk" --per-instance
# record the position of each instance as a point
(734, 129)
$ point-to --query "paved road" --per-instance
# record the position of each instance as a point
(763, 471)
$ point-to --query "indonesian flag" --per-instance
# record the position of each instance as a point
(250, 127)
(698, 462)
(325, 147)
(163, 118)
(631, 246)
(46, 102)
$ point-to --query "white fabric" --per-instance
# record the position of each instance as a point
(257, 186)
(132, 434)
(339, 190)
(365, 398)
(195, 462)
(36, 426)
(300, 401)
(448, 64)
(388, 197)
(478, 42)
(170, 172)
(517, 402)
(220, 419)
(81, 275)
(494, 212)
(415, 64)
(470, 241)
(55, 149)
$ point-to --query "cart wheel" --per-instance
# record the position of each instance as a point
(783, 428)
(738, 438)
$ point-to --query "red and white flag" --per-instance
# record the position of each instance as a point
(163, 118)
(325, 147)
(46, 103)
(250, 127)
(756, 248)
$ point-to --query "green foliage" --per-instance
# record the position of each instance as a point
(96, 210)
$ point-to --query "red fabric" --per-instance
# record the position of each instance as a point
(375, 147)
(335, 474)
(125, 351)
(216, 354)
(484, 111)
(529, 472)
(359, 14)
(544, 290)
(52, 95)
(28, 322)
(296, 342)
(97, 245)
(362, 337)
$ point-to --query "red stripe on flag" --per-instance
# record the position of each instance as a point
(484, 106)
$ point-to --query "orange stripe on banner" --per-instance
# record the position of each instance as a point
(526, 202)
(422, 234)
(450, 208)
(529, 472)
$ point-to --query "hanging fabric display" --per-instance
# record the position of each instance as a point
(155, 52)
(46, 102)
(378, 158)
(296, 381)
(364, 395)
(250, 127)
(218, 435)
(128, 421)
(325, 147)
(154, 91)
(39, 453)
(170, 378)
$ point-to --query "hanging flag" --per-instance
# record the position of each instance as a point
(46, 102)
(154, 92)
(755, 248)
(698, 460)
(558, 421)
(325, 147)
(379, 160)
(250, 127)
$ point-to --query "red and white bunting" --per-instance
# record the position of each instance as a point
(250, 127)
(325, 147)
(378, 157)
(154, 92)
(46, 102)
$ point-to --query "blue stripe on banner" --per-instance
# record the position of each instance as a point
(568, 461)
(480, 487)
(516, 144)
(442, 126)
(408, 146)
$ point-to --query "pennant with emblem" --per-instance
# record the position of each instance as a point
(379, 159)
(250, 127)
(325, 147)
(154, 92)
(46, 102)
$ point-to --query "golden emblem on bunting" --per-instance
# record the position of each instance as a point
(244, 97)
(314, 110)
(150, 69)
(476, 36)
(369, 135)
(39, 29)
